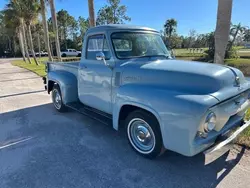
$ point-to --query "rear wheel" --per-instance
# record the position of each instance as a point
(57, 99)
(144, 133)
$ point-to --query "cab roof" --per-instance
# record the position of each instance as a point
(118, 27)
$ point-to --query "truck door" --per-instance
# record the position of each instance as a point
(70, 52)
(94, 82)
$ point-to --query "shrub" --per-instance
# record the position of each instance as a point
(232, 54)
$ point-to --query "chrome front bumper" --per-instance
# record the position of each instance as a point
(221, 143)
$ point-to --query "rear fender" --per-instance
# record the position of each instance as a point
(67, 83)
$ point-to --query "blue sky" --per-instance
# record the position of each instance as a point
(199, 15)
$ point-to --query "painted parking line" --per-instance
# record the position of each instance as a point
(15, 143)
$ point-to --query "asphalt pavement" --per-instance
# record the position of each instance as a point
(40, 147)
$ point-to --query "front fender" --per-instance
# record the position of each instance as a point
(67, 83)
(179, 114)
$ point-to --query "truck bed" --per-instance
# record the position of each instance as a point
(71, 67)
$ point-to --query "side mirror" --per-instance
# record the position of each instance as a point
(100, 56)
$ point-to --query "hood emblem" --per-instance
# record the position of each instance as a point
(237, 80)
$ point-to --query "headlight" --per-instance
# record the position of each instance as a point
(210, 122)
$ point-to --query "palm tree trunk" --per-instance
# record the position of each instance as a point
(31, 44)
(25, 40)
(51, 47)
(169, 40)
(39, 45)
(91, 13)
(45, 28)
(20, 38)
(55, 28)
(224, 13)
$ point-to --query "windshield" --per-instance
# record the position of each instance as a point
(131, 45)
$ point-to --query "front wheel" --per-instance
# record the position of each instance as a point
(144, 135)
(57, 99)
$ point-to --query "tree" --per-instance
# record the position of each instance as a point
(113, 13)
(247, 35)
(17, 10)
(224, 13)
(92, 22)
(191, 38)
(176, 41)
(170, 28)
(83, 26)
(45, 28)
(38, 30)
(55, 28)
(67, 27)
(30, 14)
(234, 32)
(10, 26)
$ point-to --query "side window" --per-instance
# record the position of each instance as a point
(97, 43)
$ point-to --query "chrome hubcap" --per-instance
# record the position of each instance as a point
(141, 135)
(56, 99)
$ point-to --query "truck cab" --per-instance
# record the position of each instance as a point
(127, 76)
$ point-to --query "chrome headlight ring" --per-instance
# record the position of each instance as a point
(210, 122)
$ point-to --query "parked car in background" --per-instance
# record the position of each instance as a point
(71, 53)
(128, 78)
(43, 54)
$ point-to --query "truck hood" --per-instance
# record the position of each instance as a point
(199, 78)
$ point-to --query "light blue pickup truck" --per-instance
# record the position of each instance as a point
(126, 77)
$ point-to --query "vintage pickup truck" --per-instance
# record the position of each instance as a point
(127, 77)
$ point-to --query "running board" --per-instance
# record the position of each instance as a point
(91, 112)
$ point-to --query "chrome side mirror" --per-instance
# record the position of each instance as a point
(100, 56)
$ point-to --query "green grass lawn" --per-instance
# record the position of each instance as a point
(244, 138)
(38, 69)
(242, 52)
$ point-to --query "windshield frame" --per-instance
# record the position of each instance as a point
(135, 31)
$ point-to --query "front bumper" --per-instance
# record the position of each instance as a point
(223, 141)
(216, 140)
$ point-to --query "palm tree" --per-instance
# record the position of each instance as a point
(31, 13)
(12, 21)
(17, 10)
(22, 27)
(170, 27)
(247, 35)
(20, 38)
(55, 28)
(91, 13)
(234, 31)
(224, 13)
(38, 29)
(45, 28)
